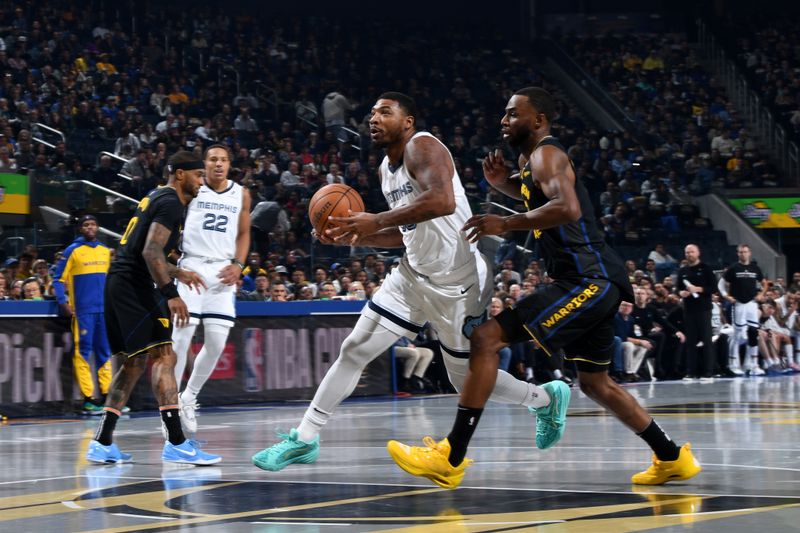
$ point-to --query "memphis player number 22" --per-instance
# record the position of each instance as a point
(214, 222)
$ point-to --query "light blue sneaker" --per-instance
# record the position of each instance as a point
(290, 450)
(552, 418)
(188, 453)
(97, 453)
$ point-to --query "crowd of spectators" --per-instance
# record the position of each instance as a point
(684, 119)
(145, 96)
(768, 48)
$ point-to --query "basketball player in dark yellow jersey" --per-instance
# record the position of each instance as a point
(574, 313)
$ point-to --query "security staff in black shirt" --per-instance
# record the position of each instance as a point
(696, 282)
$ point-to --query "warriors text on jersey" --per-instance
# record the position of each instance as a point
(212, 223)
(435, 247)
(575, 250)
(744, 280)
(161, 205)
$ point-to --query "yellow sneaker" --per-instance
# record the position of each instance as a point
(429, 461)
(684, 467)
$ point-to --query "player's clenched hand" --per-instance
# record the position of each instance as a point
(348, 230)
(480, 225)
(178, 311)
(192, 279)
(230, 274)
(494, 167)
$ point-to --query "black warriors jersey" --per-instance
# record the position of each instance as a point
(575, 250)
(161, 205)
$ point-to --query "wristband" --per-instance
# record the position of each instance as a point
(169, 291)
(237, 263)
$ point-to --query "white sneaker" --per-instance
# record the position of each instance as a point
(707, 379)
(188, 416)
(756, 371)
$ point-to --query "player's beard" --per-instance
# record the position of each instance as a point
(518, 136)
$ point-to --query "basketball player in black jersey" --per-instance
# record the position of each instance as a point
(141, 303)
(743, 284)
(574, 313)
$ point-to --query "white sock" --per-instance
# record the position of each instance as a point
(507, 388)
(214, 337)
(312, 423)
(181, 340)
(788, 352)
(537, 397)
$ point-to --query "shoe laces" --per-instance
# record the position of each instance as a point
(287, 442)
(435, 446)
(432, 444)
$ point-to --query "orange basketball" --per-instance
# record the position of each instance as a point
(335, 200)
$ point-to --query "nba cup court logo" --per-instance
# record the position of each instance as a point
(253, 359)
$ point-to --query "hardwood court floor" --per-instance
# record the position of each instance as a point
(744, 431)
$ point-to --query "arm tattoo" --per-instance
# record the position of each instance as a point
(161, 271)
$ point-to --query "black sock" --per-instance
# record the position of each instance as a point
(172, 420)
(463, 428)
(663, 446)
(106, 429)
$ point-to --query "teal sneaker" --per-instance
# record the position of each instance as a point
(91, 408)
(552, 418)
(290, 450)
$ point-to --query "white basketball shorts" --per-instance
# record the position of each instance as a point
(407, 300)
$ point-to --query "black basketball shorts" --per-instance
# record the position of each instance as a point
(576, 316)
(137, 316)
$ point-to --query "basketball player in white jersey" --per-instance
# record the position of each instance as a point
(216, 240)
(441, 279)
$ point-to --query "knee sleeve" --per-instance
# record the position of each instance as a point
(214, 337)
(367, 341)
(752, 336)
(507, 388)
(181, 340)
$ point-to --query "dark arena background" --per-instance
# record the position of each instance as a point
(681, 119)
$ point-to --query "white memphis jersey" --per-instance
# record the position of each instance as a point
(435, 247)
(212, 223)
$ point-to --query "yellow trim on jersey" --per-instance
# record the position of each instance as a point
(137, 352)
(541, 345)
(601, 363)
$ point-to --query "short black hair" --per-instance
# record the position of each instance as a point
(218, 145)
(541, 100)
(405, 102)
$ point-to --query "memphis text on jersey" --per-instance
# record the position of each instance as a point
(214, 206)
(576, 303)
